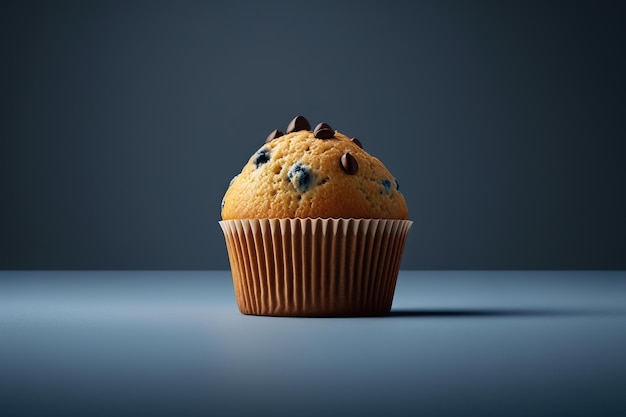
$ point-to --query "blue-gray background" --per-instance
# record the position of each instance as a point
(122, 123)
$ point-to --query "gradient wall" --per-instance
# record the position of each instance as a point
(123, 122)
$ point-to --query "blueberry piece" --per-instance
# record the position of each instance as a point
(301, 177)
(387, 184)
(397, 184)
(261, 157)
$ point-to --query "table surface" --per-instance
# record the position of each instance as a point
(527, 343)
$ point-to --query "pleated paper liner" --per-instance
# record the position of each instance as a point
(315, 267)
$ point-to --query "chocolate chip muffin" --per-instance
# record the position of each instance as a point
(309, 174)
(314, 226)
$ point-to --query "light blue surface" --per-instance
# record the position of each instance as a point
(174, 343)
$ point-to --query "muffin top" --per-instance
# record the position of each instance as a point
(313, 173)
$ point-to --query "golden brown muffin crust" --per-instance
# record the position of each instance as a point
(299, 175)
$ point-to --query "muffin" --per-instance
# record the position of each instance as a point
(314, 226)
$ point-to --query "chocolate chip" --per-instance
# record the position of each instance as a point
(275, 134)
(357, 142)
(323, 131)
(349, 163)
(322, 125)
(298, 123)
(324, 134)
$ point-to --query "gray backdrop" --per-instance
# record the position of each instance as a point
(123, 122)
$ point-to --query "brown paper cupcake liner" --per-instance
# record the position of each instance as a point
(315, 267)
